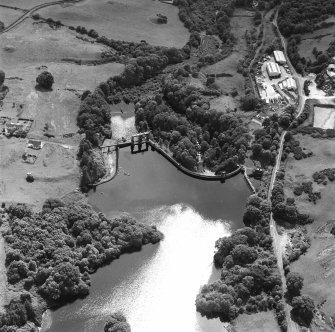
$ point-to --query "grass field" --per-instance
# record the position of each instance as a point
(324, 117)
(241, 21)
(8, 16)
(319, 38)
(58, 108)
(56, 173)
(129, 20)
(319, 277)
(37, 43)
(260, 322)
(25, 4)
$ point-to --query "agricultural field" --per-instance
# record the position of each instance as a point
(55, 170)
(324, 117)
(8, 16)
(33, 42)
(25, 52)
(319, 38)
(319, 278)
(129, 20)
(25, 4)
(57, 108)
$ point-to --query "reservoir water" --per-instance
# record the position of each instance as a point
(156, 287)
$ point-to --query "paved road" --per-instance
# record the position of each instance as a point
(291, 326)
(31, 11)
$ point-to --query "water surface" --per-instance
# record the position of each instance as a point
(156, 287)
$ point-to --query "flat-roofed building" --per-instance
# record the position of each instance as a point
(273, 70)
(279, 57)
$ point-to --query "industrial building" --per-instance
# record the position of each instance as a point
(273, 70)
(288, 84)
(279, 57)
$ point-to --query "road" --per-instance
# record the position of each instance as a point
(291, 326)
(30, 12)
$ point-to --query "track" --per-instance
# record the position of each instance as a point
(31, 11)
(291, 326)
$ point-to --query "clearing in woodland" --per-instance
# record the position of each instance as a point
(129, 20)
(320, 39)
(241, 22)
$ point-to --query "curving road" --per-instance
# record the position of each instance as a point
(31, 11)
(291, 326)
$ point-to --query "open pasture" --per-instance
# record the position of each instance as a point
(129, 20)
(57, 108)
(8, 16)
(25, 4)
(320, 39)
(319, 278)
(32, 42)
(241, 21)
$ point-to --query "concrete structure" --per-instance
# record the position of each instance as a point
(288, 84)
(331, 70)
(273, 70)
(279, 57)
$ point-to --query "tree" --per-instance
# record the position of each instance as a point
(117, 323)
(45, 80)
(243, 254)
(302, 309)
(252, 216)
(294, 283)
(250, 103)
(2, 77)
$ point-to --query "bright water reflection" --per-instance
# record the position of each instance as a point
(159, 293)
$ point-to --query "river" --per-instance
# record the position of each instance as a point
(156, 287)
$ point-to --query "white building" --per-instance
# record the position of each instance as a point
(273, 70)
(279, 57)
(288, 84)
(331, 70)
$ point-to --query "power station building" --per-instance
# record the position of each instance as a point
(279, 57)
(273, 70)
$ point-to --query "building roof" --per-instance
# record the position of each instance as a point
(279, 56)
(289, 84)
(273, 68)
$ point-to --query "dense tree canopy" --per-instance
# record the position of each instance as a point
(45, 80)
(303, 309)
(54, 251)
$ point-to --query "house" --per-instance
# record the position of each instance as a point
(273, 70)
(279, 57)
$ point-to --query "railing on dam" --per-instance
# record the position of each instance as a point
(155, 147)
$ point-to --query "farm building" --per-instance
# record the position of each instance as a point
(289, 84)
(273, 70)
(279, 57)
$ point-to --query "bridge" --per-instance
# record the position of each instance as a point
(137, 142)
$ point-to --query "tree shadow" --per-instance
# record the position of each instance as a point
(40, 88)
